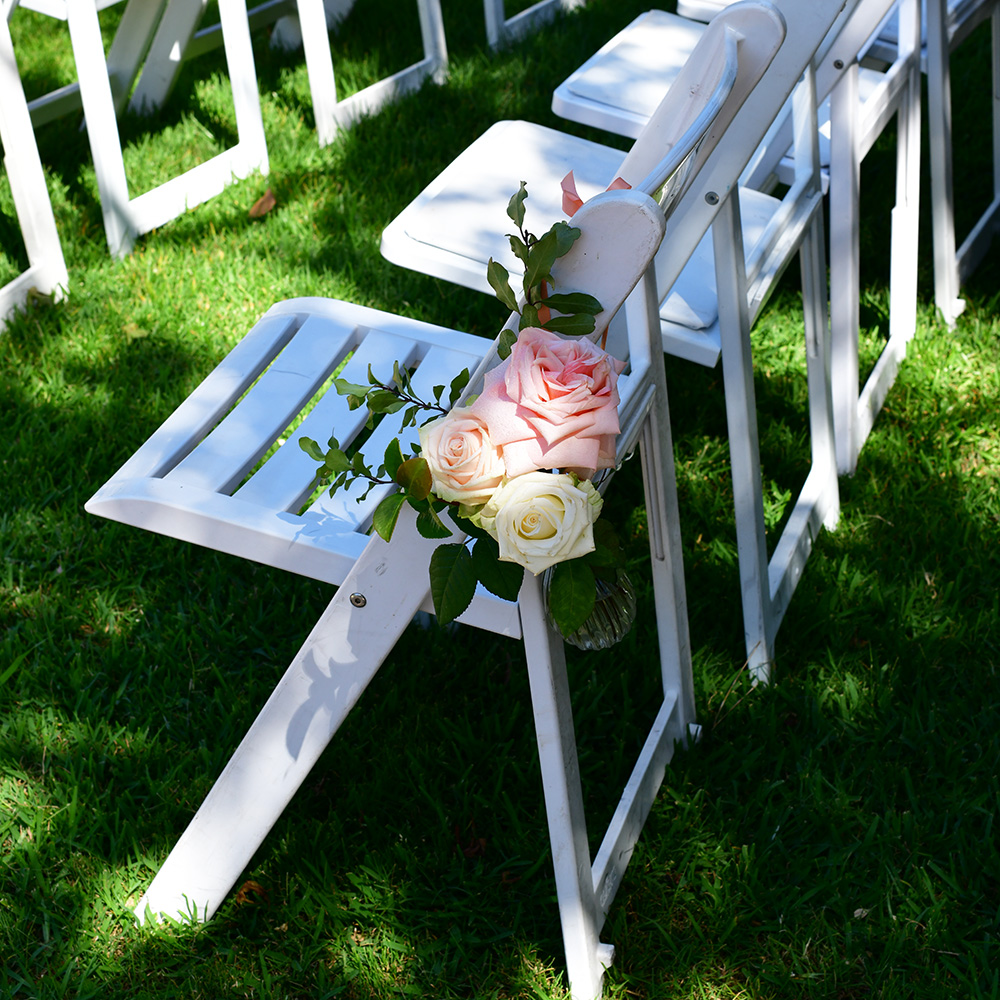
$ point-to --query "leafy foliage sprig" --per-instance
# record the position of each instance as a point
(456, 569)
(538, 253)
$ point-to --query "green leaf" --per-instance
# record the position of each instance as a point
(346, 388)
(572, 303)
(572, 593)
(393, 458)
(529, 317)
(543, 256)
(387, 513)
(572, 326)
(499, 278)
(461, 516)
(336, 461)
(501, 578)
(384, 401)
(565, 236)
(312, 449)
(429, 524)
(508, 338)
(414, 475)
(458, 383)
(515, 207)
(519, 248)
(453, 581)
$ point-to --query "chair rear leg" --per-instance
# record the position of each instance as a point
(744, 445)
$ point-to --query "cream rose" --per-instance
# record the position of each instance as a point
(465, 465)
(540, 519)
(553, 404)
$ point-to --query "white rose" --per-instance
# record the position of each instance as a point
(465, 466)
(540, 519)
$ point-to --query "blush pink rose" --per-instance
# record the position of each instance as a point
(553, 404)
(465, 464)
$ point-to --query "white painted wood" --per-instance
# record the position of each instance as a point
(169, 486)
(321, 685)
(502, 30)
(617, 86)
(185, 40)
(103, 86)
(46, 273)
(944, 25)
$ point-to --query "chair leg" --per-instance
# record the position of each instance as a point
(744, 447)
(586, 957)
(946, 279)
(131, 45)
(845, 185)
(822, 438)
(319, 65)
(663, 514)
(166, 54)
(102, 125)
(335, 664)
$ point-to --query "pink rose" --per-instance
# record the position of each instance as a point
(464, 463)
(553, 404)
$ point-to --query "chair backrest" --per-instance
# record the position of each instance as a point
(816, 35)
(724, 67)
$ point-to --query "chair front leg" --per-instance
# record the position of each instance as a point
(586, 957)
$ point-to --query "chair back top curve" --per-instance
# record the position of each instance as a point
(724, 67)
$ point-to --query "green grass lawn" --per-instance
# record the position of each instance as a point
(832, 835)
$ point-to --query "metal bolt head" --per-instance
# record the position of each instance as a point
(838, 63)
(358, 600)
(712, 198)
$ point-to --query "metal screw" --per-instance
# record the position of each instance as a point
(838, 63)
(712, 198)
(358, 600)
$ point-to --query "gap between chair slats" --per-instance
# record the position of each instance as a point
(286, 479)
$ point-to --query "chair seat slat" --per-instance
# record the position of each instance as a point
(225, 456)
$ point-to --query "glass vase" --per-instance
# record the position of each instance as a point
(612, 617)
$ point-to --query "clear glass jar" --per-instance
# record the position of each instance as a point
(612, 617)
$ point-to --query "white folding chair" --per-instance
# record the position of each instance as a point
(454, 226)
(103, 88)
(945, 25)
(502, 30)
(616, 88)
(190, 481)
(197, 478)
(46, 273)
(182, 34)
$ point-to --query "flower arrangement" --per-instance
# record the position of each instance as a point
(512, 467)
